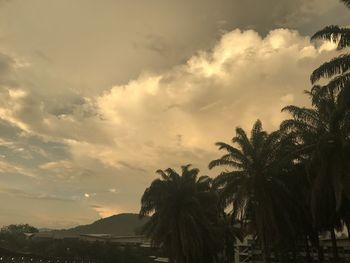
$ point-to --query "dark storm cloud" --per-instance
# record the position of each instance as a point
(98, 39)
(6, 69)
(96, 95)
(155, 43)
(132, 167)
(28, 195)
(43, 56)
(262, 16)
(6, 64)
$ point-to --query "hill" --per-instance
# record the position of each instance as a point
(120, 225)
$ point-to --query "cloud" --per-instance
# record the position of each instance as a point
(10, 168)
(66, 169)
(105, 211)
(28, 195)
(174, 117)
(6, 67)
(92, 144)
(146, 90)
(243, 78)
(112, 190)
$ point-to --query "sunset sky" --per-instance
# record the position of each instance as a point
(95, 95)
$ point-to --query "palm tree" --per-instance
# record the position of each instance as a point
(322, 134)
(337, 69)
(184, 216)
(322, 141)
(251, 184)
(332, 102)
(231, 232)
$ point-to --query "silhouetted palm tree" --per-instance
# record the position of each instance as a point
(331, 151)
(322, 138)
(259, 199)
(184, 216)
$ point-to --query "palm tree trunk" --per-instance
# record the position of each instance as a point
(229, 250)
(233, 252)
(334, 246)
(266, 257)
(264, 247)
(319, 249)
(294, 253)
(307, 250)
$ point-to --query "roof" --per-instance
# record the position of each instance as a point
(54, 235)
(97, 235)
(161, 260)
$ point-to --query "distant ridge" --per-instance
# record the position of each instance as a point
(119, 225)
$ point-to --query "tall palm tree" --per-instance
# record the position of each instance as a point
(184, 216)
(337, 69)
(322, 142)
(251, 184)
(330, 150)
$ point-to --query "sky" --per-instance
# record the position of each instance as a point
(95, 96)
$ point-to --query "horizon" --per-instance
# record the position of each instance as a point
(44, 229)
(95, 97)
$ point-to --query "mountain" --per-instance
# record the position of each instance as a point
(119, 225)
(44, 229)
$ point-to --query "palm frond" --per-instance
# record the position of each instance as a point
(307, 115)
(204, 179)
(343, 103)
(241, 135)
(336, 66)
(258, 136)
(234, 153)
(162, 174)
(334, 34)
(226, 178)
(243, 141)
(339, 82)
(297, 125)
(189, 172)
(321, 96)
(270, 146)
(172, 174)
(346, 2)
(257, 128)
(225, 146)
(224, 162)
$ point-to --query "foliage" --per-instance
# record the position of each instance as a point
(252, 184)
(284, 187)
(184, 217)
(19, 229)
(75, 249)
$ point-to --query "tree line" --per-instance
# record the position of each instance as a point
(283, 187)
(15, 245)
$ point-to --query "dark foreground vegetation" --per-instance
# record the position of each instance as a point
(16, 247)
(283, 187)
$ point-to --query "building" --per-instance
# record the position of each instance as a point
(49, 235)
(250, 251)
(136, 240)
(343, 245)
